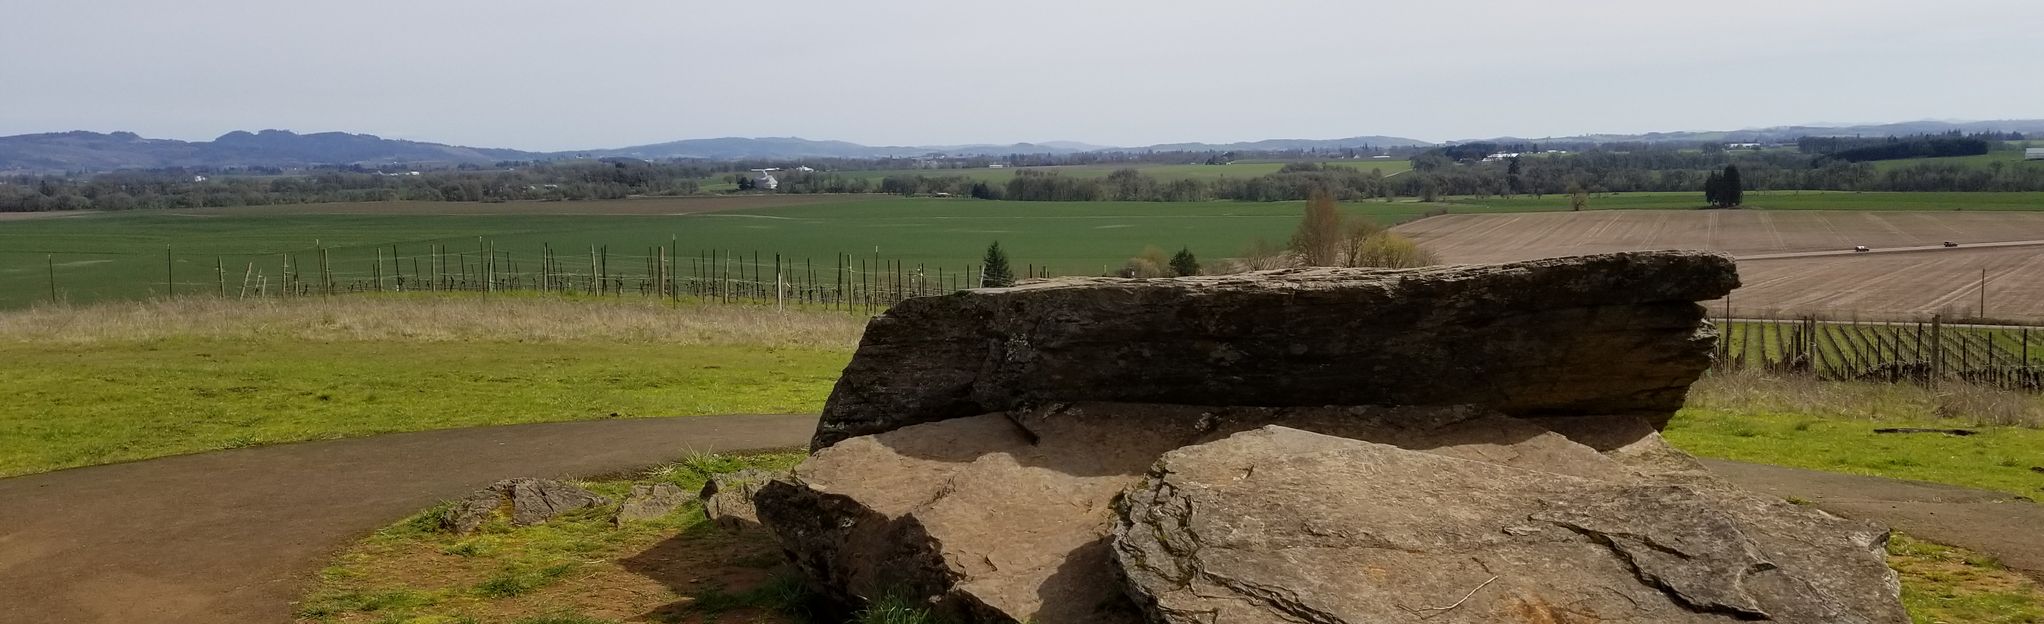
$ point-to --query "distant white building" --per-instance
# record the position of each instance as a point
(1742, 146)
(997, 166)
(1501, 156)
(2034, 153)
(765, 181)
(198, 178)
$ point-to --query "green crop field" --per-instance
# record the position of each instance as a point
(2007, 157)
(123, 255)
(1162, 172)
(1248, 169)
(103, 256)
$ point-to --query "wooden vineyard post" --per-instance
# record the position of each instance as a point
(245, 276)
(169, 274)
(376, 270)
(51, 259)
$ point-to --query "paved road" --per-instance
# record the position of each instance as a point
(1990, 522)
(1885, 250)
(234, 536)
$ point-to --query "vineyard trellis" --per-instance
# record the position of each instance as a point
(855, 283)
(1922, 352)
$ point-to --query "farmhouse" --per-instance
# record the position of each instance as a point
(2034, 153)
(765, 181)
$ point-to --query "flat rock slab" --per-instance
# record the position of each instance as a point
(1007, 517)
(1280, 525)
(526, 501)
(649, 502)
(1607, 334)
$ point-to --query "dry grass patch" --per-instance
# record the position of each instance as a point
(427, 318)
(1756, 391)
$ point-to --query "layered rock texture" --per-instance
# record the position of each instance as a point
(1457, 444)
(524, 501)
(1282, 525)
(1609, 334)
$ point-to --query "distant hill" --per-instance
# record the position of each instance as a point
(1791, 133)
(1287, 144)
(93, 151)
(732, 148)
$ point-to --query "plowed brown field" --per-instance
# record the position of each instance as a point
(1525, 236)
(1892, 286)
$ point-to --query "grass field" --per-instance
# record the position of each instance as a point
(1829, 426)
(123, 255)
(135, 381)
(1247, 169)
(94, 257)
(2007, 157)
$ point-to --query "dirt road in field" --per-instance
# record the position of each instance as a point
(235, 536)
(1918, 248)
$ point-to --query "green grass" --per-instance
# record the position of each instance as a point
(1246, 169)
(122, 256)
(1945, 584)
(1998, 459)
(552, 573)
(83, 404)
(2008, 157)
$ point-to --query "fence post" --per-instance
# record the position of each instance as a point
(52, 260)
(169, 273)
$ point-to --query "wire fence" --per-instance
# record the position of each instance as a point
(849, 282)
(1926, 352)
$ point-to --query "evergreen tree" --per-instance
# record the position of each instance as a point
(1184, 263)
(994, 272)
(1712, 186)
(1733, 191)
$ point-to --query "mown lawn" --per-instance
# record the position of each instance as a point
(84, 404)
(1998, 458)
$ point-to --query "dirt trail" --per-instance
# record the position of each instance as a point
(235, 536)
(1991, 522)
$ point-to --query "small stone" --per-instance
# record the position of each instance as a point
(649, 502)
(526, 501)
(727, 498)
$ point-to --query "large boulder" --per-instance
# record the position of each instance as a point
(1283, 526)
(1006, 517)
(1606, 334)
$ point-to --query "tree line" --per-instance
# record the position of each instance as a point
(1463, 170)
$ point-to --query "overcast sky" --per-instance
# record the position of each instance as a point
(568, 75)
